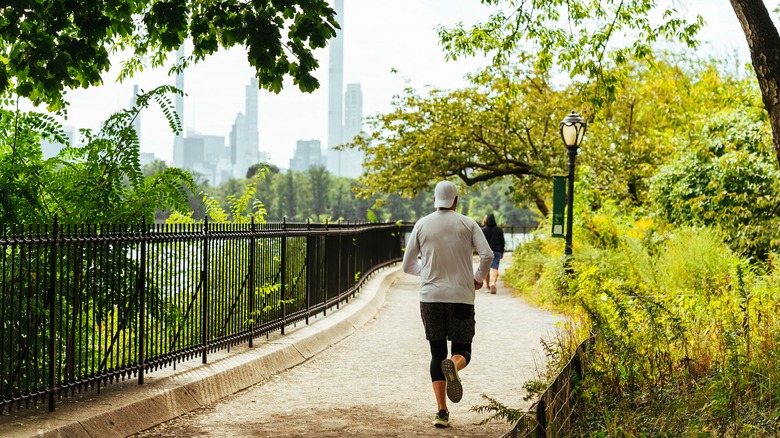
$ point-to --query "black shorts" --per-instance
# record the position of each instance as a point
(453, 321)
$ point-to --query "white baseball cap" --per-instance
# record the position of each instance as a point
(444, 194)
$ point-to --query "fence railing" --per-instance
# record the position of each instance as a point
(550, 416)
(516, 235)
(87, 305)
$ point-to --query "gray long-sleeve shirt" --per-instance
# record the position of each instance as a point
(445, 241)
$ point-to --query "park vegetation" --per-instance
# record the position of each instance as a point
(677, 208)
(677, 233)
(675, 269)
(50, 47)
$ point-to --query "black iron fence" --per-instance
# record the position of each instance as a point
(516, 235)
(87, 305)
(551, 415)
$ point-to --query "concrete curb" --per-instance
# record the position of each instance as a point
(126, 408)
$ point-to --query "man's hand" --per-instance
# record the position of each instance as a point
(477, 285)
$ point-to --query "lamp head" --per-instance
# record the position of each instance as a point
(572, 130)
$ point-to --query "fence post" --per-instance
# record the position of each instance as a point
(283, 275)
(541, 420)
(204, 277)
(339, 270)
(309, 273)
(142, 305)
(52, 295)
(252, 261)
(350, 268)
(324, 281)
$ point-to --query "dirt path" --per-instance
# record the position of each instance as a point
(375, 383)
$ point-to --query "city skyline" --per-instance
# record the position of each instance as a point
(373, 47)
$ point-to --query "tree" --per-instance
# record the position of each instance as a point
(764, 43)
(47, 47)
(728, 182)
(197, 208)
(265, 187)
(287, 193)
(655, 111)
(497, 199)
(231, 188)
(586, 44)
(341, 199)
(505, 124)
(319, 182)
(153, 167)
(99, 182)
(573, 37)
(22, 168)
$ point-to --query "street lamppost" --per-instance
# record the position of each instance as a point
(572, 131)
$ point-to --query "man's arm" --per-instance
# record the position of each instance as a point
(485, 253)
(411, 265)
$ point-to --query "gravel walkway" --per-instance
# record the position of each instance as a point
(375, 383)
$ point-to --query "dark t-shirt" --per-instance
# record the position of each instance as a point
(495, 238)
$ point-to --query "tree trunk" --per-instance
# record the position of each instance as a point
(542, 206)
(764, 43)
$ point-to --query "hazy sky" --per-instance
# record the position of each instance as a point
(379, 35)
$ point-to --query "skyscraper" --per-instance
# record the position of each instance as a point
(207, 154)
(351, 160)
(137, 120)
(245, 137)
(345, 113)
(336, 89)
(308, 153)
(178, 141)
(353, 112)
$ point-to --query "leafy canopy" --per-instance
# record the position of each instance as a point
(49, 46)
(656, 111)
(728, 182)
(578, 38)
(504, 124)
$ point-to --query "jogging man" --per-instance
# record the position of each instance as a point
(445, 241)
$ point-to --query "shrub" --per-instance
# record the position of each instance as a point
(687, 338)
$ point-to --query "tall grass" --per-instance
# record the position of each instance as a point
(686, 330)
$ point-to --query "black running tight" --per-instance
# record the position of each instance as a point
(439, 353)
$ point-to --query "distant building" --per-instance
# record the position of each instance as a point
(353, 111)
(336, 81)
(308, 153)
(178, 141)
(193, 153)
(345, 110)
(205, 154)
(208, 155)
(147, 158)
(137, 120)
(50, 149)
(349, 163)
(245, 137)
(351, 159)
